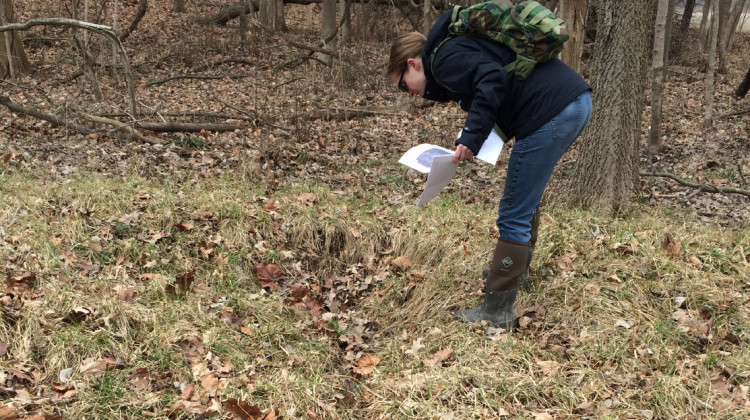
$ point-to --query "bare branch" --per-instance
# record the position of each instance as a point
(702, 187)
(107, 31)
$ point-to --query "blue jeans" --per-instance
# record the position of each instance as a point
(531, 164)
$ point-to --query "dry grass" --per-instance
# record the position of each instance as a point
(600, 334)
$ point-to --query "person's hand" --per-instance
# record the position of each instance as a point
(462, 153)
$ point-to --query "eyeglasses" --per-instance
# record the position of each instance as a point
(401, 83)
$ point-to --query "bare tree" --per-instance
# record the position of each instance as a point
(607, 168)
(682, 30)
(710, 72)
(13, 61)
(657, 68)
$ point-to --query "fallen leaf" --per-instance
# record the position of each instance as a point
(402, 262)
(673, 248)
(622, 324)
(592, 288)
(549, 367)
(307, 198)
(126, 295)
(210, 381)
(269, 275)
(140, 378)
(4, 348)
(366, 365)
(93, 368)
(439, 357)
(242, 409)
(188, 391)
(182, 283)
(184, 226)
(695, 262)
(585, 408)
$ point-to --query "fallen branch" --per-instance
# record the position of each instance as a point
(347, 113)
(224, 61)
(180, 127)
(5, 101)
(735, 113)
(251, 115)
(122, 127)
(188, 114)
(701, 187)
(194, 76)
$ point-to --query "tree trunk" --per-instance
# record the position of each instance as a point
(744, 86)
(426, 21)
(573, 13)
(682, 31)
(705, 12)
(734, 20)
(328, 29)
(267, 13)
(13, 61)
(724, 31)
(280, 18)
(179, 6)
(607, 168)
(658, 70)
(346, 18)
(708, 119)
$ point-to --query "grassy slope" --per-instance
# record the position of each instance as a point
(600, 334)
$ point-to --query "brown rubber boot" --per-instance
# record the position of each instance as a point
(525, 280)
(501, 286)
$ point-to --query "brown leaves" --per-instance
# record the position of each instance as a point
(182, 283)
(307, 198)
(242, 409)
(366, 365)
(21, 283)
(269, 275)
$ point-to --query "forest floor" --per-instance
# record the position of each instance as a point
(283, 269)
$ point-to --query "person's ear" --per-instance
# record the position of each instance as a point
(414, 63)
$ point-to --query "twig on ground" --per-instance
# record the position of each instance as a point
(195, 76)
(224, 61)
(251, 115)
(735, 113)
(701, 187)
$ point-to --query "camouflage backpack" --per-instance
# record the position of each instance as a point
(528, 28)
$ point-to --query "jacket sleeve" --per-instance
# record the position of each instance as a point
(480, 79)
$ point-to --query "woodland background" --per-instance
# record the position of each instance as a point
(211, 221)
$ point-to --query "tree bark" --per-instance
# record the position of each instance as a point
(657, 68)
(13, 60)
(573, 13)
(710, 72)
(682, 31)
(705, 12)
(329, 29)
(608, 163)
(724, 32)
(179, 6)
(744, 86)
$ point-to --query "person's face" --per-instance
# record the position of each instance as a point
(411, 80)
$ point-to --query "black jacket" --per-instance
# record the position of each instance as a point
(473, 70)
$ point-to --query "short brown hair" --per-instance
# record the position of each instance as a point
(403, 48)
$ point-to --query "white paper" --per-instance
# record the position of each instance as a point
(440, 176)
(420, 157)
(491, 148)
(437, 161)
